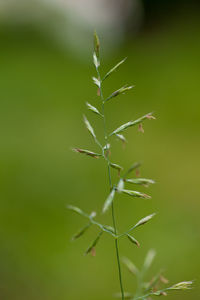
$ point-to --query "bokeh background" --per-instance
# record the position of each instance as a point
(45, 80)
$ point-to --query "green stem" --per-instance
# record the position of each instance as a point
(139, 286)
(110, 184)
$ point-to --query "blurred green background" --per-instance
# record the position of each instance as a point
(44, 83)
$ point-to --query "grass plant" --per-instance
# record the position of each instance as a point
(145, 290)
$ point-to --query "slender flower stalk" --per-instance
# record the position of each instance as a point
(144, 290)
(110, 181)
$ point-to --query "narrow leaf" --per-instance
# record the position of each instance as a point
(123, 127)
(89, 127)
(145, 220)
(96, 60)
(149, 259)
(114, 68)
(120, 185)
(108, 201)
(75, 209)
(131, 123)
(94, 109)
(115, 166)
(133, 240)
(96, 81)
(184, 285)
(86, 152)
(96, 44)
(136, 194)
(81, 232)
(109, 228)
(121, 137)
(133, 167)
(94, 243)
(130, 266)
(122, 90)
(142, 181)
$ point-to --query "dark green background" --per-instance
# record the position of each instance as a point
(43, 92)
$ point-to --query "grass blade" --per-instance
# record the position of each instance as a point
(149, 259)
(120, 185)
(121, 138)
(133, 167)
(76, 210)
(93, 109)
(81, 232)
(86, 152)
(133, 240)
(96, 81)
(145, 220)
(96, 60)
(122, 90)
(89, 127)
(108, 201)
(114, 68)
(142, 181)
(109, 229)
(184, 285)
(132, 123)
(96, 44)
(117, 167)
(94, 243)
(136, 194)
(130, 266)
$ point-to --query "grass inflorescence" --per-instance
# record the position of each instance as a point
(145, 290)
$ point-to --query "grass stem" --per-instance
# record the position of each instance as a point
(110, 184)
